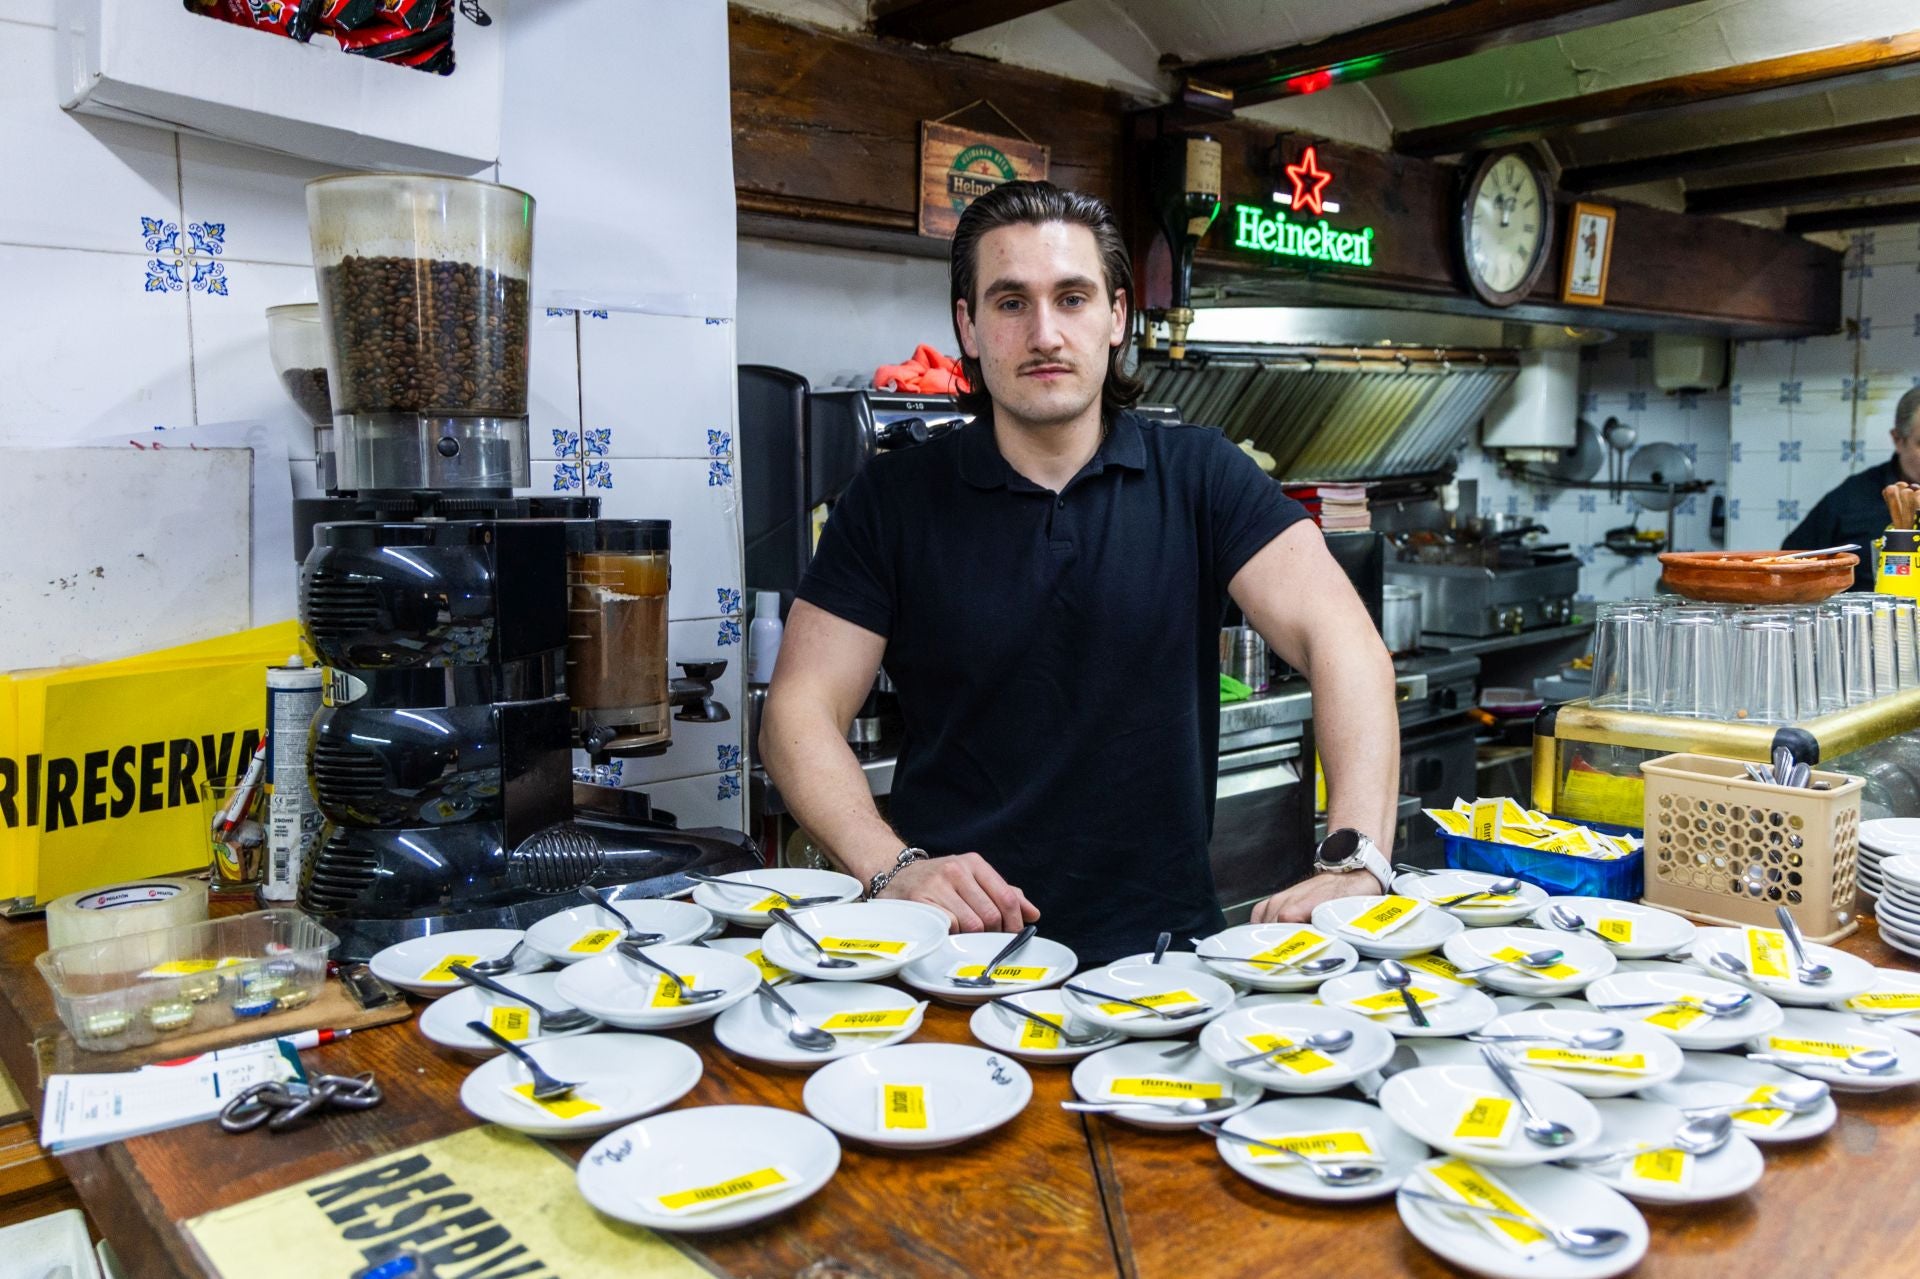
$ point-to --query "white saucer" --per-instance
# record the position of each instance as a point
(1889, 981)
(1830, 1027)
(444, 1021)
(1663, 1057)
(1718, 1079)
(755, 1029)
(1891, 836)
(933, 973)
(919, 929)
(1269, 1119)
(586, 930)
(1000, 1030)
(1227, 1039)
(1430, 1101)
(1702, 1034)
(1465, 1010)
(626, 1076)
(623, 1172)
(1456, 883)
(624, 992)
(1851, 974)
(1728, 1171)
(969, 1091)
(1656, 932)
(737, 906)
(406, 964)
(1256, 939)
(1144, 981)
(1591, 959)
(1426, 931)
(1560, 1196)
(1142, 1059)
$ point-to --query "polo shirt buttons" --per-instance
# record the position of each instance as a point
(1060, 502)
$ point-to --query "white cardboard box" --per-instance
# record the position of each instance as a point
(153, 62)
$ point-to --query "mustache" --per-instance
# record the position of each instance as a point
(1031, 365)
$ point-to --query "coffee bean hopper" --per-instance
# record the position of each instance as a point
(472, 640)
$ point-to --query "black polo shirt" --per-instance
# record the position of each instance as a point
(1057, 660)
(1852, 511)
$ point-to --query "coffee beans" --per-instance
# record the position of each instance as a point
(413, 335)
(308, 387)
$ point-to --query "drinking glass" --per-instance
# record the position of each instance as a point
(1625, 655)
(1829, 670)
(1856, 647)
(236, 838)
(1906, 642)
(1763, 671)
(1885, 674)
(1693, 665)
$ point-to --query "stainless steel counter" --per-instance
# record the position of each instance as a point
(1499, 643)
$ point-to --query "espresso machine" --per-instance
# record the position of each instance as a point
(472, 641)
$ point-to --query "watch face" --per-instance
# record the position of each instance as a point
(1340, 845)
(1505, 224)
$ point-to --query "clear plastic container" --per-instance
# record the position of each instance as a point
(425, 297)
(617, 576)
(134, 990)
(298, 346)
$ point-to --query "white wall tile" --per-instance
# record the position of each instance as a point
(1762, 363)
(660, 384)
(74, 181)
(553, 385)
(1823, 364)
(1890, 319)
(259, 196)
(701, 497)
(1823, 420)
(712, 799)
(1894, 244)
(93, 353)
(232, 369)
(39, 13)
(700, 748)
(553, 479)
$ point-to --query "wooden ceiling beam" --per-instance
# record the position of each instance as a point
(938, 21)
(1789, 146)
(1419, 39)
(1762, 81)
(1848, 219)
(1818, 188)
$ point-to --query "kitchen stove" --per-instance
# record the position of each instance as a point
(1481, 596)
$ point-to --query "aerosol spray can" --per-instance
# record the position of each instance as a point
(293, 819)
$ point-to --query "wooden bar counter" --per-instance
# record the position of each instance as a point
(1050, 1194)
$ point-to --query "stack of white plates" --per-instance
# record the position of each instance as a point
(1898, 907)
(1880, 839)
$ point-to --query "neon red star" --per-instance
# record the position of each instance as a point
(1309, 182)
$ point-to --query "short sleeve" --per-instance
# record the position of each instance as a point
(1248, 507)
(852, 573)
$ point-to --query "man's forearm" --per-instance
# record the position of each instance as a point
(1356, 729)
(826, 790)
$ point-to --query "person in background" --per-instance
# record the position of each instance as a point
(1045, 587)
(1854, 511)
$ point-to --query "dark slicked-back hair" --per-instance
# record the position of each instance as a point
(1037, 203)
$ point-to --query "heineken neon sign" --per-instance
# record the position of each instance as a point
(1316, 241)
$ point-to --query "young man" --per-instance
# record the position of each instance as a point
(1854, 511)
(1045, 587)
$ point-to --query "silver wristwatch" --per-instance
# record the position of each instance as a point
(1346, 850)
(907, 857)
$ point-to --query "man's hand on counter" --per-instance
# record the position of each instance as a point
(969, 890)
(1295, 905)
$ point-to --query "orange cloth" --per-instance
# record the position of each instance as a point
(926, 372)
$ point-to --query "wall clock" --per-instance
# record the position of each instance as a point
(1505, 226)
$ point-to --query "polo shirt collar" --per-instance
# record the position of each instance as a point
(982, 465)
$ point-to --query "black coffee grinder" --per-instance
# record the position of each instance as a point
(454, 619)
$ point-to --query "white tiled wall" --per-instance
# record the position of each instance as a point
(1810, 412)
(1616, 380)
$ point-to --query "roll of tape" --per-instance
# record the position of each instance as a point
(102, 913)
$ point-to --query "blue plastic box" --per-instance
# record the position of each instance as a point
(1561, 874)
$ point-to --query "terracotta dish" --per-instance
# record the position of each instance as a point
(1732, 577)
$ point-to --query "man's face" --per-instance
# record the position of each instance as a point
(1042, 324)
(1907, 449)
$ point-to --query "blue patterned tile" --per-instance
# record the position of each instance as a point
(565, 442)
(1633, 505)
(1859, 271)
(1916, 324)
(1866, 328)
(1733, 451)
(1790, 392)
(1486, 505)
(729, 633)
(719, 474)
(597, 442)
(608, 774)
(1584, 597)
(1590, 402)
(595, 315)
(558, 311)
(1852, 449)
(719, 443)
(566, 477)
(1688, 401)
(1733, 394)
(728, 598)
(1584, 554)
(1636, 401)
(163, 277)
(1692, 451)
(1860, 244)
(1788, 510)
(729, 786)
(1789, 450)
(728, 755)
(1542, 503)
(1513, 504)
(1853, 388)
(187, 264)
(210, 278)
(1586, 504)
(1733, 508)
(599, 475)
(1686, 505)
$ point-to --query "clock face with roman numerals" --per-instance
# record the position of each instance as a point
(1506, 224)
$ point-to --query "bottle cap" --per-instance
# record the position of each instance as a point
(766, 604)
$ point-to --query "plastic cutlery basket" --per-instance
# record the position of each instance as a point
(1726, 849)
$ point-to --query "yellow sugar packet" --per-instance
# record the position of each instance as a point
(770, 972)
(667, 995)
(1485, 816)
(511, 1021)
(1762, 1115)
(1388, 1002)
(862, 946)
(1458, 1179)
(748, 1185)
(1613, 1063)
(1818, 1048)
(1435, 964)
(870, 1021)
(905, 1108)
(572, 1106)
(1886, 1001)
(1552, 972)
(1165, 999)
(1487, 1121)
(1385, 915)
(1615, 929)
(1294, 949)
(443, 971)
(1161, 1087)
(1042, 1038)
(592, 943)
(1010, 973)
(1288, 1054)
(1324, 1144)
(1767, 954)
(1667, 1168)
(1450, 821)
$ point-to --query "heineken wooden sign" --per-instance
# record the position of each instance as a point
(958, 166)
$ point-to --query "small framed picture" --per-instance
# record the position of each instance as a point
(1589, 253)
